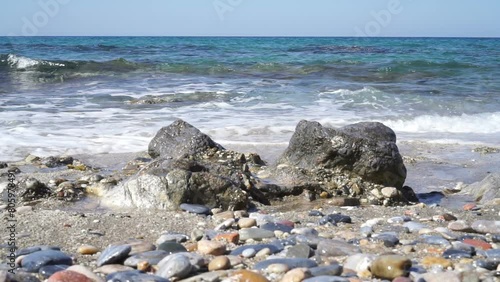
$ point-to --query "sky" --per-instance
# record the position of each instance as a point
(432, 18)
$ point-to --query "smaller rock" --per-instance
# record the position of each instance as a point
(247, 222)
(171, 247)
(431, 261)
(34, 261)
(249, 253)
(255, 234)
(233, 238)
(277, 268)
(175, 265)
(460, 225)
(207, 247)
(290, 262)
(114, 254)
(87, 250)
(390, 266)
(247, 276)
(486, 226)
(112, 268)
(299, 251)
(68, 276)
(296, 275)
(193, 208)
(479, 244)
(219, 263)
(85, 271)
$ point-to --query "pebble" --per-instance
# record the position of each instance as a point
(172, 237)
(431, 261)
(247, 222)
(87, 250)
(486, 226)
(480, 244)
(414, 226)
(249, 253)
(359, 263)
(296, 275)
(34, 261)
(171, 247)
(112, 268)
(219, 263)
(193, 208)
(255, 234)
(233, 238)
(214, 248)
(263, 253)
(334, 248)
(435, 240)
(390, 266)
(139, 246)
(305, 231)
(277, 268)
(290, 262)
(134, 275)
(273, 248)
(327, 279)
(493, 254)
(460, 225)
(274, 226)
(399, 219)
(389, 240)
(456, 254)
(152, 257)
(85, 271)
(449, 276)
(248, 276)
(114, 254)
(299, 251)
(68, 276)
(334, 219)
(175, 265)
(48, 270)
(328, 270)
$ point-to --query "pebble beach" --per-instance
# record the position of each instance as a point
(294, 239)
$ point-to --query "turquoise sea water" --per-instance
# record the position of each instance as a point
(78, 94)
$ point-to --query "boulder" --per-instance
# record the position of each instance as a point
(349, 161)
(180, 139)
(486, 191)
(189, 168)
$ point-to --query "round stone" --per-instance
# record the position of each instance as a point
(247, 222)
(34, 261)
(296, 275)
(112, 268)
(87, 250)
(114, 254)
(175, 265)
(215, 248)
(192, 208)
(249, 276)
(171, 247)
(277, 268)
(85, 271)
(249, 253)
(219, 263)
(430, 261)
(255, 234)
(390, 266)
(68, 276)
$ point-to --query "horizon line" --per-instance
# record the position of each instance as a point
(262, 36)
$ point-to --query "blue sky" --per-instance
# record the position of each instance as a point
(455, 18)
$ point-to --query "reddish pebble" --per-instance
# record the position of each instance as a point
(287, 223)
(228, 237)
(478, 244)
(469, 207)
(402, 279)
(68, 276)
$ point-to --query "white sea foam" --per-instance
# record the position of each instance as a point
(20, 62)
(484, 123)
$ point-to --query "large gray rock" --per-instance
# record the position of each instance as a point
(349, 161)
(189, 168)
(180, 139)
(486, 191)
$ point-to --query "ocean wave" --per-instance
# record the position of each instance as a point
(483, 123)
(338, 49)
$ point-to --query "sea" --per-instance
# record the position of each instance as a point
(94, 95)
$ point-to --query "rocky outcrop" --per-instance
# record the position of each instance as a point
(359, 160)
(180, 139)
(189, 168)
(486, 191)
